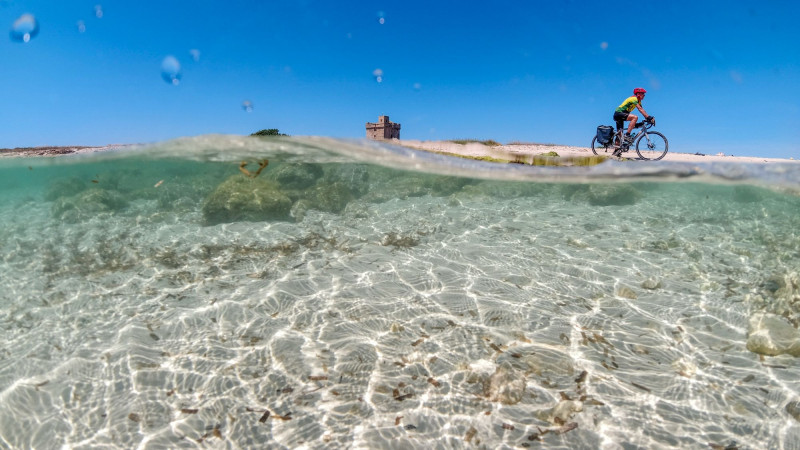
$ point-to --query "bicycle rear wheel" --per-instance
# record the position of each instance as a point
(652, 146)
(599, 149)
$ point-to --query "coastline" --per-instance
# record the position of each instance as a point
(51, 151)
(521, 152)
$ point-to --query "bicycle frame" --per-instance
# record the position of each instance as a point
(646, 147)
(643, 125)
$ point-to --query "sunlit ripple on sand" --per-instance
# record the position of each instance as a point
(147, 328)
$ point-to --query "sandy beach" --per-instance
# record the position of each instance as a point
(521, 151)
(27, 152)
(509, 152)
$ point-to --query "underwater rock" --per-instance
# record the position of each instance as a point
(86, 204)
(297, 175)
(240, 198)
(445, 185)
(65, 187)
(357, 210)
(553, 364)
(603, 194)
(329, 197)
(506, 385)
(789, 287)
(398, 241)
(780, 295)
(562, 412)
(299, 209)
(577, 243)
(626, 292)
(651, 284)
(175, 197)
(355, 176)
(685, 367)
(569, 191)
(772, 335)
(793, 408)
(616, 194)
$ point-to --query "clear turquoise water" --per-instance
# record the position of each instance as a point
(374, 297)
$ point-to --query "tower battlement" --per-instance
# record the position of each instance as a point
(383, 129)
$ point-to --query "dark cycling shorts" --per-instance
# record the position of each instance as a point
(620, 118)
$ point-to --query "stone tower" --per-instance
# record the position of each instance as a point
(384, 129)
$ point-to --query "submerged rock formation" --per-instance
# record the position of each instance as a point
(603, 194)
(297, 175)
(772, 335)
(240, 198)
(87, 204)
(506, 385)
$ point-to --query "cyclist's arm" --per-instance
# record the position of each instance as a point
(639, 107)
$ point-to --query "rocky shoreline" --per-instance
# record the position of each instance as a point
(26, 152)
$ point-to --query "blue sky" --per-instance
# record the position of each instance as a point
(720, 76)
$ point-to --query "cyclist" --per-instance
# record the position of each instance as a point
(623, 113)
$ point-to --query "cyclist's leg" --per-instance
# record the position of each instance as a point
(619, 119)
(632, 122)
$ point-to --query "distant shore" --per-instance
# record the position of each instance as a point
(27, 152)
(519, 152)
(474, 150)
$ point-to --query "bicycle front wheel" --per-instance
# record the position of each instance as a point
(600, 149)
(652, 146)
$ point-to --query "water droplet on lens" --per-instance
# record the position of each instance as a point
(171, 70)
(195, 54)
(98, 11)
(247, 105)
(604, 45)
(81, 27)
(24, 28)
(378, 74)
(381, 17)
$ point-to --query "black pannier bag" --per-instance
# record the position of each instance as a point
(604, 134)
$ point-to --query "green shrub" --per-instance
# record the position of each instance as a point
(489, 142)
(268, 132)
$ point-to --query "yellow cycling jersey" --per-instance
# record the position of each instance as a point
(628, 105)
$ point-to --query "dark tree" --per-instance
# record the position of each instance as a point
(268, 132)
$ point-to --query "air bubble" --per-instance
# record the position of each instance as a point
(171, 70)
(378, 74)
(247, 105)
(24, 28)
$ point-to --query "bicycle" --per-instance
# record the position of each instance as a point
(650, 146)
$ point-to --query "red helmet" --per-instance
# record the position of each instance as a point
(638, 91)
